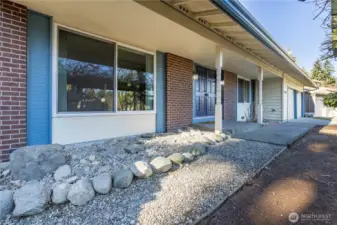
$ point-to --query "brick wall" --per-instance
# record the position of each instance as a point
(13, 37)
(229, 96)
(179, 97)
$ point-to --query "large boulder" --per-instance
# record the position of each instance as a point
(31, 199)
(62, 172)
(6, 203)
(81, 192)
(141, 169)
(188, 157)
(198, 149)
(34, 162)
(102, 183)
(123, 178)
(60, 193)
(161, 164)
(176, 158)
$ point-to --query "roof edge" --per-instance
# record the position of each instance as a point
(240, 14)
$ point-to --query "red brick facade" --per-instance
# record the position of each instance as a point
(13, 54)
(229, 96)
(179, 88)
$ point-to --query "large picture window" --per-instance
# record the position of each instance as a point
(243, 91)
(87, 76)
(135, 80)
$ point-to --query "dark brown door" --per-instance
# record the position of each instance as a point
(205, 92)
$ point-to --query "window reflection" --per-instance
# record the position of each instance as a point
(135, 80)
(85, 74)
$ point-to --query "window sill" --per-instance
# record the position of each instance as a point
(96, 114)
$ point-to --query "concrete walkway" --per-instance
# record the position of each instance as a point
(321, 122)
(279, 134)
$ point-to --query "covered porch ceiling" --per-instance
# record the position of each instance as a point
(131, 23)
(231, 21)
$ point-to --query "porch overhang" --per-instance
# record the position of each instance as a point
(238, 29)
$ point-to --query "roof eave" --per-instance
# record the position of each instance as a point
(238, 12)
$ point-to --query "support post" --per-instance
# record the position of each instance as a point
(260, 105)
(218, 105)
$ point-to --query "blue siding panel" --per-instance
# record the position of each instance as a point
(160, 93)
(38, 79)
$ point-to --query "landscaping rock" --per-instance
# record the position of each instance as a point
(60, 193)
(134, 148)
(6, 203)
(83, 161)
(92, 158)
(161, 164)
(123, 178)
(95, 163)
(179, 131)
(81, 192)
(6, 173)
(62, 172)
(103, 169)
(148, 135)
(176, 158)
(31, 199)
(72, 179)
(186, 148)
(188, 157)
(219, 137)
(198, 149)
(102, 183)
(141, 169)
(34, 162)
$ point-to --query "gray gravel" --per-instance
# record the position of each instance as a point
(176, 197)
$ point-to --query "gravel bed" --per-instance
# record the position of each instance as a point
(176, 197)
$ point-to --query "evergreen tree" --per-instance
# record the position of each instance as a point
(323, 72)
(328, 72)
(317, 71)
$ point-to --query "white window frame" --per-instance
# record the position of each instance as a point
(237, 89)
(115, 112)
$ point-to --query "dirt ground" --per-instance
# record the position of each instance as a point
(303, 179)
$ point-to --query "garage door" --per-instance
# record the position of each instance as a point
(291, 109)
(320, 109)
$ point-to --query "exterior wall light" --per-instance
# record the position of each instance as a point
(222, 82)
(195, 76)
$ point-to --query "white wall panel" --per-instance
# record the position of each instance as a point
(68, 130)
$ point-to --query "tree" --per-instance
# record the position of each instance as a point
(323, 71)
(330, 100)
(328, 72)
(317, 71)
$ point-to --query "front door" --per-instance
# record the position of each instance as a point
(205, 92)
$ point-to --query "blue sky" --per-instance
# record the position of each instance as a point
(291, 24)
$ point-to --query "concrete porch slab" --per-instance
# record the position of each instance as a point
(279, 134)
(231, 126)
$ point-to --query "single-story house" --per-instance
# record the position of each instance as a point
(77, 71)
(314, 100)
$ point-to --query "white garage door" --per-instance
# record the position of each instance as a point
(320, 109)
(290, 104)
